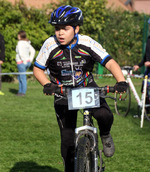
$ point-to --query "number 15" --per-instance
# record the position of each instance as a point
(86, 98)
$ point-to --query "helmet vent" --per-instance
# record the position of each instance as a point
(67, 15)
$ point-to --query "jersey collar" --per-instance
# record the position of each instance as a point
(67, 46)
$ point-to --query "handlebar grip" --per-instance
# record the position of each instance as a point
(61, 90)
(112, 89)
(107, 89)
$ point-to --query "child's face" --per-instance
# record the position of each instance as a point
(19, 37)
(65, 33)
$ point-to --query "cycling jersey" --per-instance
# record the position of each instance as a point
(71, 65)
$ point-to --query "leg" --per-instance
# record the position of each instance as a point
(103, 115)
(104, 118)
(22, 79)
(67, 124)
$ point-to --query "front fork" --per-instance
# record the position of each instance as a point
(90, 132)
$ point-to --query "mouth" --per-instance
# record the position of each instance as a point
(61, 40)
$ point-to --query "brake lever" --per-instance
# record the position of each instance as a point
(109, 97)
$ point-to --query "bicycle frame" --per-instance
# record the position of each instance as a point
(134, 90)
(141, 103)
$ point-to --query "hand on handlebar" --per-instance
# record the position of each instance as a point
(121, 87)
(49, 88)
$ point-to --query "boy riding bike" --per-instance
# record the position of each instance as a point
(70, 58)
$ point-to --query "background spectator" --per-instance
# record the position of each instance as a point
(24, 57)
(2, 58)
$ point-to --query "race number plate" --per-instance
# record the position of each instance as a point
(82, 98)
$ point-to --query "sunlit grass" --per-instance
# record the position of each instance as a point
(30, 138)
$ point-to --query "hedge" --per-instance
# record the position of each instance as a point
(119, 32)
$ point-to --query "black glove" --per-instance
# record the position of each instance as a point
(49, 88)
(121, 87)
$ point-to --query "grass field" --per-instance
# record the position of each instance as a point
(30, 140)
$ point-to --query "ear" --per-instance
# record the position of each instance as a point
(77, 29)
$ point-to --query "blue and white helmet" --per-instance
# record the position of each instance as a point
(67, 15)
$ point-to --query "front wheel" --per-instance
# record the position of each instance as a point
(122, 103)
(84, 162)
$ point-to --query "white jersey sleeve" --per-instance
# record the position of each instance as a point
(44, 52)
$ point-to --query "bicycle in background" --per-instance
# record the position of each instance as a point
(123, 101)
(88, 158)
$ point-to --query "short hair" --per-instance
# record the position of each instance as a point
(22, 34)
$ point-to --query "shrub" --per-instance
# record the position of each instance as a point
(121, 33)
(122, 36)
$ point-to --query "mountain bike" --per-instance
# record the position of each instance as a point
(123, 101)
(88, 157)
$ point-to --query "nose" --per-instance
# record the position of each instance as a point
(60, 31)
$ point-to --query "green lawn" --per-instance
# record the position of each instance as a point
(30, 140)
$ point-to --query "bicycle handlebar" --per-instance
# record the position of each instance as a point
(128, 68)
(107, 89)
(103, 90)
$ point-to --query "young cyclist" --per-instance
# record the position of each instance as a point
(70, 58)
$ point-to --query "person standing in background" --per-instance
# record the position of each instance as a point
(24, 56)
(146, 59)
(2, 58)
(146, 62)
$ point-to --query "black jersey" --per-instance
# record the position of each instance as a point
(71, 66)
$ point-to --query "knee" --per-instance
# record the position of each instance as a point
(103, 114)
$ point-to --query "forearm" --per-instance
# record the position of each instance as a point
(115, 69)
(40, 76)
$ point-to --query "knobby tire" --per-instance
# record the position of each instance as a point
(84, 156)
